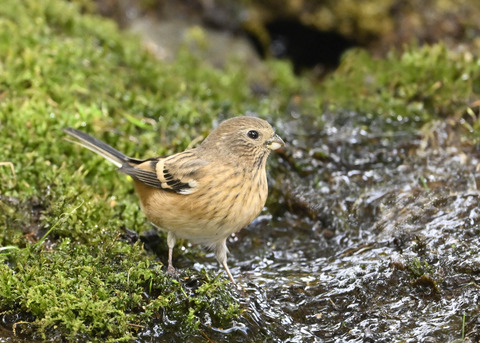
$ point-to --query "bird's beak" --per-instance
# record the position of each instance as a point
(275, 142)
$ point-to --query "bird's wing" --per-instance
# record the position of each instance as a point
(178, 173)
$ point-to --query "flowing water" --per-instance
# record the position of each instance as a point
(372, 235)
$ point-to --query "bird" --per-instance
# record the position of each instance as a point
(203, 194)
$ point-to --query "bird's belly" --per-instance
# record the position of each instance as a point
(203, 219)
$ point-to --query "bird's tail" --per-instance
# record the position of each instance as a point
(96, 145)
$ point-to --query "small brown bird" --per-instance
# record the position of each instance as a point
(203, 194)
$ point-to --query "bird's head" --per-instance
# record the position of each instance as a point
(243, 137)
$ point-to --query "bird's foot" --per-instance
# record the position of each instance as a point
(171, 270)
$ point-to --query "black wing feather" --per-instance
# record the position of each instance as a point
(150, 178)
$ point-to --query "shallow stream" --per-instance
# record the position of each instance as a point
(371, 234)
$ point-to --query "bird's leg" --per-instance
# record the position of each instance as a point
(171, 239)
(221, 254)
(228, 272)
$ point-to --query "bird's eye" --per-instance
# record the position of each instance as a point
(252, 134)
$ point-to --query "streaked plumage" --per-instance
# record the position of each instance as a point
(203, 194)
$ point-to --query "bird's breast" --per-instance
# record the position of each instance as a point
(222, 205)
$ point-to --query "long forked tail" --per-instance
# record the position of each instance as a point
(96, 145)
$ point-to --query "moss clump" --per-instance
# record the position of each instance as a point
(407, 89)
(103, 293)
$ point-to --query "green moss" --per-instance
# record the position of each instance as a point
(418, 268)
(407, 89)
(423, 274)
(101, 294)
